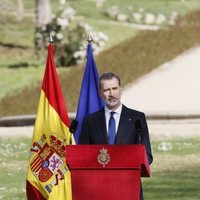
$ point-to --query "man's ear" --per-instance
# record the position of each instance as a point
(122, 89)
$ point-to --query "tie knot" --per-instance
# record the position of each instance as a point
(112, 113)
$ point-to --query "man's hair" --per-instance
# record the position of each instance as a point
(108, 76)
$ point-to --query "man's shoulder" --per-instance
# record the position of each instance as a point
(95, 114)
(132, 111)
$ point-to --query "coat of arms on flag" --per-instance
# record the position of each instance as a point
(49, 160)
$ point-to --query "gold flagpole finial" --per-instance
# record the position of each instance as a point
(89, 38)
(51, 40)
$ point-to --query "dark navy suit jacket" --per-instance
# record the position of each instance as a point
(94, 130)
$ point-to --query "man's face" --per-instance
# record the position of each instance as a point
(111, 92)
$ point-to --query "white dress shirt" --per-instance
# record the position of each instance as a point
(116, 116)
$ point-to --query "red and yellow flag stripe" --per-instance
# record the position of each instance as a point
(48, 176)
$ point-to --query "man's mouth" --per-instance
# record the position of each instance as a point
(112, 100)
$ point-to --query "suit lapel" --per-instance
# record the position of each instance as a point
(120, 129)
(101, 127)
(125, 125)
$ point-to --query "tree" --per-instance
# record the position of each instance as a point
(20, 10)
(68, 34)
(43, 12)
(43, 17)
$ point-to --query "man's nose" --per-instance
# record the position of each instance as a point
(111, 93)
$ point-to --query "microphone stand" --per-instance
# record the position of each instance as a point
(139, 132)
(73, 127)
(138, 126)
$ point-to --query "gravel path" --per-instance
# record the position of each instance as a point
(172, 89)
(167, 129)
(159, 129)
(16, 131)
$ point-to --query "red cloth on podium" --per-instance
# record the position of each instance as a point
(117, 179)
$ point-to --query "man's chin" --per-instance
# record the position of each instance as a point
(112, 104)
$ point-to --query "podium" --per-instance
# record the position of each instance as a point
(106, 172)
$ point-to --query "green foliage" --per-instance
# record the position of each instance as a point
(67, 36)
(130, 59)
(16, 34)
(13, 79)
(65, 50)
(147, 51)
(16, 43)
(70, 42)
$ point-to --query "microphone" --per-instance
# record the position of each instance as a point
(138, 126)
(73, 127)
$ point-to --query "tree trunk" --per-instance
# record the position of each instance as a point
(43, 17)
(43, 12)
(20, 10)
(62, 2)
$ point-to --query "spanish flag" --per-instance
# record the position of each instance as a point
(48, 175)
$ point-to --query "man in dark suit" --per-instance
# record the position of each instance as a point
(98, 127)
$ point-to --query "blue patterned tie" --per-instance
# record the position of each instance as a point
(111, 129)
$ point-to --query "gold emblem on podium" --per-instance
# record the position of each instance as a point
(103, 158)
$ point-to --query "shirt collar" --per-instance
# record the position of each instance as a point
(118, 110)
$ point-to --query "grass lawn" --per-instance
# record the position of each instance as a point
(174, 171)
(116, 32)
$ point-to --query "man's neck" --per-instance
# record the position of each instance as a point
(114, 108)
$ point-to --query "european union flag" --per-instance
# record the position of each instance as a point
(89, 99)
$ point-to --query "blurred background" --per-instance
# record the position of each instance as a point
(153, 46)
